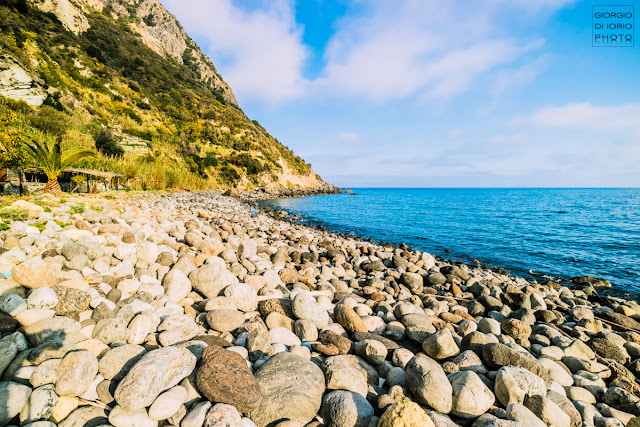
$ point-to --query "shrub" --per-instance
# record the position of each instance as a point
(229, 174)
(50, 120)
(62, 224)
(149, 20)
(40, 225)
(107, 144)
(14, 214)
(210, 160)
(76, 209)
(54, 102)
(252, 166)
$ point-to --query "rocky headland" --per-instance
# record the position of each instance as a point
(192, 309)
(323, 188)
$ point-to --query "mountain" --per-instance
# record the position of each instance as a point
(78, 68)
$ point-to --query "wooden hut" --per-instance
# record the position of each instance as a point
(94, 181)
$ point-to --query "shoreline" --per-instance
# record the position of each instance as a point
(537, 276)
(373, 334)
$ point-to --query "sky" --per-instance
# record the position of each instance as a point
(433, 93)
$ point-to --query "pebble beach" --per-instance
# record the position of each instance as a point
(194, 309)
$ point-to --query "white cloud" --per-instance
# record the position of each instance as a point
(348, 136)
(511, 77)
(584, 116)
(516, 138)
(429, 48)
(584, 140)
(455, 133)
(380, 50)
(573, 144)
(259, 52)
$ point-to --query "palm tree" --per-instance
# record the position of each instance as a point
(47, 152)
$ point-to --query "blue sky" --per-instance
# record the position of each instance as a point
(432, 93)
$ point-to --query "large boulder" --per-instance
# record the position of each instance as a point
(405, 414)
(211, 279)
(292, 387)
(471, 397)
(157, 371)
(224, 377)
(76, 372)
(13, 397)
(33, 274)
(342, 408)
(513, 384)
(440, 345)
(497, 355)
(345, 373)
(428, 382)
(547, 411)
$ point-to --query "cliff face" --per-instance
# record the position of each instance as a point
(129, 67)
(158, 29)
(17, 83)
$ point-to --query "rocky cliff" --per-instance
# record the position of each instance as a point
(158, 29)
(17, 83)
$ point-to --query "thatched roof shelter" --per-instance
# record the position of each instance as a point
(95, 173)
(79, 171)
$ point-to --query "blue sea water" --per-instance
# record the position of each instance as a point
(539, 233)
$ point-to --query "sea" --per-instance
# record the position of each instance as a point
(536, 233)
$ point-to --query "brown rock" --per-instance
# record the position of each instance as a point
(389, 344)
(128, 237)
(348, 318)
(634, 422)
(33, 275)
(342, 344)
(621, 319)
(71, 300)
(224, 377)
(405, 414)
(213, 340)
(82, 225)
(165, 259)
(464, 315)
(326, 349)
(289, 275)
(450, 317)
(377, 297)
(109, 229)
(7, 323)
(552, 284)
(282, 306)
(516, 329)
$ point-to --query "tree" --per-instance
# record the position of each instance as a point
(107, 144)
(46, 151)
(13, 154)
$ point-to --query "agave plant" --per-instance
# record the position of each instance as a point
(47, 152)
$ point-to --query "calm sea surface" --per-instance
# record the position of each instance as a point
(553, 233)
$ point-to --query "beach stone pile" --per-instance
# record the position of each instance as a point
(192, 309)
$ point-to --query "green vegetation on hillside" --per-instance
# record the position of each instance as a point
(106, 81)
